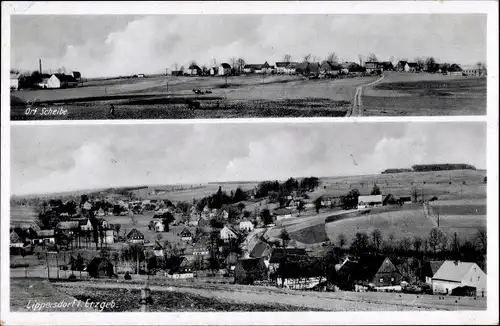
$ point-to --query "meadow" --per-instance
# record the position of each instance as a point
(423, 94)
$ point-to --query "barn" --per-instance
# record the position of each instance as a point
(100, 267)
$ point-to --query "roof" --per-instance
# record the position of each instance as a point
(261, 249)
(15, 76)
(231, 259)
(46, 233)
(435, 266)
(63, 77)
(232, 229)
(17, 235)
(402, 62)
(68, 225)
(282, 64)
(135, 234)
(97, 262)
(194, 67)
(253, 66)
(298, 269)
(412, 64)
(225, 65)
(282, 211)
(251, 264)
(370, 199)
(369, 266)
(327, 65)
(453, 271)
(186, 232)
(279, 253)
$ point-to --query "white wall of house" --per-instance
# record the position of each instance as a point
(53, 82)
(180, 276)
(283, 217)
(14, 83)
(226, 234)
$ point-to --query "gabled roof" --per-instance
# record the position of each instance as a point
(370, 199)
(231, 259)
(435, 266)
(232, 229)
(225, 65)
(194, 67)
(261, 249)
(291, 253)
(282, 64)
(303, 268)
(453, 271)
(413, 64)
(17, 235)
(135, 234)
(46, 233)
(63, 77)
(98, 262)
(369, 266)
(252, 265)
(283, 211)
(186, 233)
(327, 65)
(67, 225)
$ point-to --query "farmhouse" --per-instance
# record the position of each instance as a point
(17, 238)
(281, 67)
(46, 236)
(262, 250)
(246, 225)
(87, 206)
(186, 235)
(473, 71)
(430, 268)
(407, 66)
(159, 226)
(455, 70)
(330, 68)
(300, 275)
(282, 213)
(194, 70)
(378, 271)
(405, 200)
(365, 202)
(371, 66)
(200, 248)
(291, 69)
(248, 271)
(228, 233)
(135, 236)
(100, 267)
(453, 275)
(351, 67)
(224, 69)
(59, 81)
(179, 268)
(292, 254)
(85, 225)
(386, 66)
(14, 81)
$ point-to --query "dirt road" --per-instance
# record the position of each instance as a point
(357, 107)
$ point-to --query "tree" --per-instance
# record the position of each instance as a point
(241, 207)
(307, 57)
(192, 63)
(287, 58)
(318, 204)
(437, 240)
(376, 239)
(300, 206)
(233, 62)
(431, 64)
(481, 240)
(417, 243)
(405, 245)
(414, 194)
(285, 237)
(341, 239)
(266, 217)
(375, 190)
(167, 218)
(332, 57)
(360, 243)
(372, 58)
(240, 63)
(182, 68)
(482, 67)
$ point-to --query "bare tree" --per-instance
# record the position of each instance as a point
(316, 58)
(361, 59)
(233, 62)
(240, 63)
(342, 241)
(376, 239)
(192, 63)
(332, 57)
(372, 58)
(307, 57)
(481, 66)
(287, 58)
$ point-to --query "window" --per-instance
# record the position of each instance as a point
(381, 280)
(392, 279)
(478, 278)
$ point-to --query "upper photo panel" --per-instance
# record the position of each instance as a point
(87, 67)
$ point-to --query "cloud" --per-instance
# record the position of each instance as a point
(119, 45)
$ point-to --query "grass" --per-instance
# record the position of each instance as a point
(312, 234)
(425, 95)
(151, 98)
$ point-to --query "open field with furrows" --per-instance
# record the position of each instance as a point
(167, 97)
(425, 94)
(209, 296)
(442, 184)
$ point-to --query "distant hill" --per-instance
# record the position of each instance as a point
(432, 167)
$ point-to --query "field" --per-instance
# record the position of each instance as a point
(201, 296)
(425, 94)
(165, 97)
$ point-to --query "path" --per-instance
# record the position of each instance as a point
(357, 106)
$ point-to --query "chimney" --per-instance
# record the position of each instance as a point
(40, 66)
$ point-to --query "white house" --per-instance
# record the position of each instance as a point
(365, 202)
(159, 226)
(87, 206)
(224, 69)
(86, 226)
(186, 235)
(224, 214)
(58, 81)
(194, 70)
(246, 225)
(214, 71)
(14, 81)
(101, 212)
(282, 214)
(227, 233)
(455, 274)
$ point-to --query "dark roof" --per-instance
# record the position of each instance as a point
(63, 77)
(261, 249)
(135, 234)
(327, 65)
(435, 266)
(405, 198)
(303, 268)
(402, 62)
(283, 211)
(225, 65)
(369, 265)
(282, 64)
(251, 264)
(192, 67)
(17, 234)
(231, 259)
(186, 233)
(97, 263)
(349, 267)
(412, 64)
(291, 253)
(455, 67)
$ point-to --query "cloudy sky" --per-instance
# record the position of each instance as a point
(104, 45)
(59, 158)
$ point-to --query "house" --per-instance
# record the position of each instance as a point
(109, 237)
(351, 67)
(456, 274)
(377, 271)
(101, 212)
(179, 268)
(251, 68)
(135, 236)
(346, 273)
(224, 214)
(402, 66)
(413, 66)
(14, 81)
(159, 226)
(141, 76)
(214, 71)
(76, 75)
(224, 69)
(59, 81)
(282, 213)
(281, 67)
(194, 70)
(386, 66)
(278, 255)
(365, 202)
(17, 238)
(390, 199)
(200, 248)
(246, 226)
(330, 68)
(455, 70)
(85, 224)
(249, 271)
(291, 69)
(46, 236)
(228, 233)
(262, 250)
(309, 69)
(87, 206)
(468, 70)
(405, 200)
(177, 73)
(371, 66)
(100, 267)
(186, 235)
(300, 275)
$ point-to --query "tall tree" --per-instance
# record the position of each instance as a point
(375, 190)
(240, 63)
(372, 58)
(332, 57)
(300, 206)
(307, 57)
(285, 237)
(287, 58)
(376, 239)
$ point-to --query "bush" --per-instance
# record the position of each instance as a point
(72, 277)
(127, 276)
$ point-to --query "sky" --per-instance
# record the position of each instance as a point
(112, 45)
(58, 158)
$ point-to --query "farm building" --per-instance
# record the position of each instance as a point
(281, 67)
(17, 238)
(282, 214)
(455, 274)
(278, 255)
(300, 275)
(473, 71)
(177, 73)
(407, 66)
(159, 226)
(186, 235)
(135, 236)
(311, 69)
(228, 233)
(46, 236)
(390, 199)
(179, 268)
(248, 271)
(291, 69)
(58, 81)
(246, 225)
(330, 68)
(200, 248)
(386, 66)
(262, 250)
(455, 70)
(405, 200)
(346, 272)
(430, 268)
(371, 66)
(224, 69)
(214, 71)
(378, 271)
(14, 81)
(351, 67)
(252, 68)
(100, 267)
(194, 70)
(77, 75)
(365, 202)
(85, 224)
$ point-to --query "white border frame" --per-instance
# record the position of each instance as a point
(490, 316)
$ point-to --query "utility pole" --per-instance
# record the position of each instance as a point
(438, 219)
(47, 262)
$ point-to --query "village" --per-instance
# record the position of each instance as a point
(242, 237)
